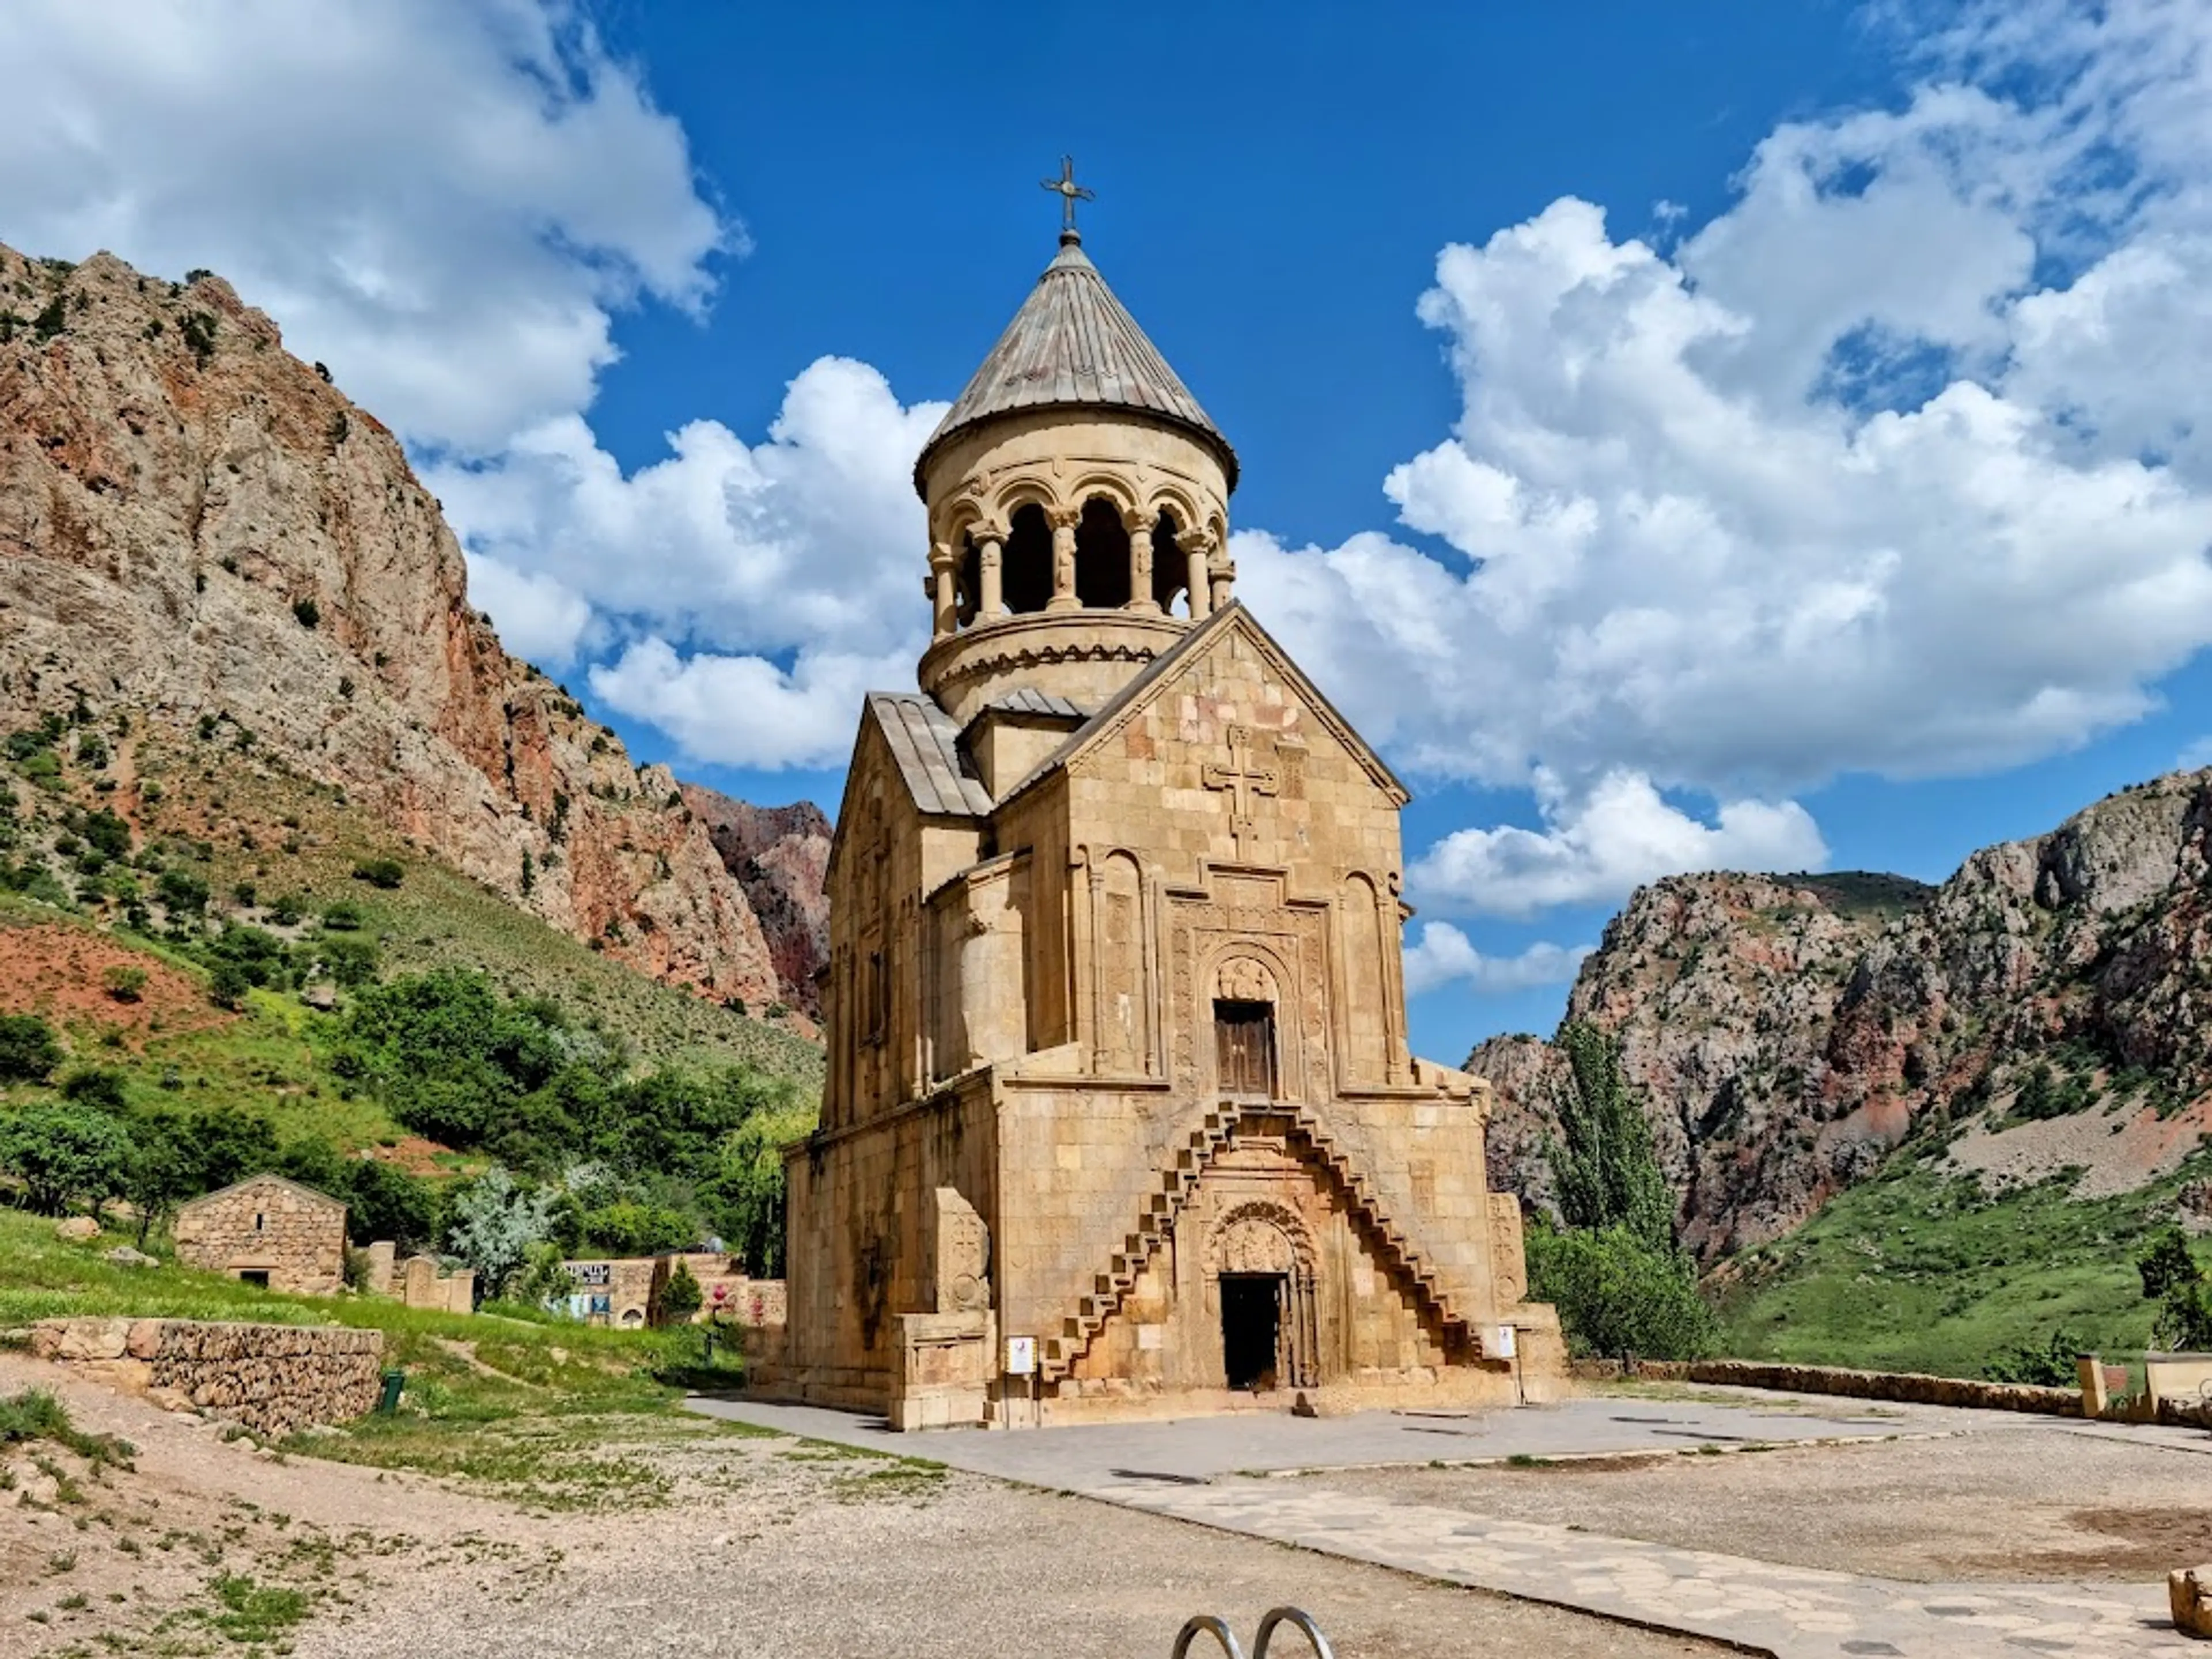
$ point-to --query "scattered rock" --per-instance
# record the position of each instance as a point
(77, 1230)
(322, 995)
(123, 1255)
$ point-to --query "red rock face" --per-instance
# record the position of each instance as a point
(1787, 1033)
(780, 856)
(194, 522)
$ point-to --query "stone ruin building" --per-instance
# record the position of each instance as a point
(1120, 1114)
(267, 1230)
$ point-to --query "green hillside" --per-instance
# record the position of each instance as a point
(1915, 1270)
(245, 973)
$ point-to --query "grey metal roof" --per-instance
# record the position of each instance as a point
(1028, 699)
(1073, 345)
(924, 741)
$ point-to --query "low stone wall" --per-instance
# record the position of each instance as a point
(1909, 1387)
(275, 1379)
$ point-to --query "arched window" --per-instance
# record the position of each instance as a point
(1102, 557)
(1169, 572)
(969, 584)
(1026, 565)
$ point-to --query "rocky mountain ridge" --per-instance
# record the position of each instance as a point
(198, 531)
(780, 857)
(2045, 1009)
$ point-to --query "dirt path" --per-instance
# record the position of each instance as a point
(767, 1546)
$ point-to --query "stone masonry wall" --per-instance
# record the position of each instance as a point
(1912, 1387)
(276, 1379)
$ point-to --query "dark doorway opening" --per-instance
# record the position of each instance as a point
(1102, 557)
(1251, 1328)
(254, 1276)
(1244, 1050)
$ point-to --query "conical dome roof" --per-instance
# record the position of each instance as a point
(1072, 345)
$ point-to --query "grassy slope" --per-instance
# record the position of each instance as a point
(505, 1403)
(284, 835)
(1914, 1271)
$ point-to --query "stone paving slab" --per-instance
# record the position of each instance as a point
(1211, 1472)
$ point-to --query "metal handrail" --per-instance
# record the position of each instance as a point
(1207, 1623)
(1210, 1624)
(1298, 1619)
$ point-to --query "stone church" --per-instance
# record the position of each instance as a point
(1120, 1114)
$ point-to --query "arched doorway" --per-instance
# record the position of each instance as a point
(1264, 1279)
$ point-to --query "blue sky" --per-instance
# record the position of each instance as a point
(1725, 435)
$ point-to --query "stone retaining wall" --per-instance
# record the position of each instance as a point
(1912, 1387)
(275, 1379)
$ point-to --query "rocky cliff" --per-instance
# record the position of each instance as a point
(195, 524)
(780, 856)
(2045, 1009)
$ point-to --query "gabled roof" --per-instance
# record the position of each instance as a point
(269, 1177)
(1072, 345)
(1132, 697)
(925, 743)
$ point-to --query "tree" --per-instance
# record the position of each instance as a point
(680, 1296)
(29, 1052)
(1618, 1296)
(1622, 1284)
(496, 1224)
(100, 1087)
(63, 1154)
(162, 1170)
(228, 985)
(1603, 1163)
(743, 1194)
(2182, 1290)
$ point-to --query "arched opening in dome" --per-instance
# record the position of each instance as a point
(967, 585)
(1168, 565)
(1102, 557)
(1026, 569)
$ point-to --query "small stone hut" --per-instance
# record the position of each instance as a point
(267, 1230)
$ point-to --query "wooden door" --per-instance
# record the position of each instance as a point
(1244, 1050)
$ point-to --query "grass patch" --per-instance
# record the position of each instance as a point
(255, 1613)
(35, 1415)
(1917, 1271)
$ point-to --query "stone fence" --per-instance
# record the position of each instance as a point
(1911, 1388)
(275, 1379)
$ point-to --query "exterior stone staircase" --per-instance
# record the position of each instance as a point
(1395, 1252)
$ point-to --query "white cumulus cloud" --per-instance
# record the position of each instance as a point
(1903, 464)
(1597, 846)
(1443, 954)
(446, 200)
(746, 711)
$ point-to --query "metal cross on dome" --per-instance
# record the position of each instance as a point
(1069, 192)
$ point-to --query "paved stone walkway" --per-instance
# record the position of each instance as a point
(1213, 1472)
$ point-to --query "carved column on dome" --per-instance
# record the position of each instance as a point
(1063, 521)
(1196, 545)
(990, 559)
(1141, 599)
(943, 597)
(1221, 576)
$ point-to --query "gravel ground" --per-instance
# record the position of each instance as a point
(767, 1547)
(2044, 1500)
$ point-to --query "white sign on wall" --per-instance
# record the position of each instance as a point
(1021, 1356)
(1504, 1348)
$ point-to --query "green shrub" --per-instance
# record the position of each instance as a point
(29, 1051)
(97, 1086)
(2048, 1364)
(125, 983)
(181, 892)
(307, 612)
(1619, 1296)
(381, 873)
(227, 985)
(64, 1155)
(680, 1296)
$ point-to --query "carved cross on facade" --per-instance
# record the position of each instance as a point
(1243, 779)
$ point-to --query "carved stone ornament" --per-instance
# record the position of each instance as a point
(1244, 978)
